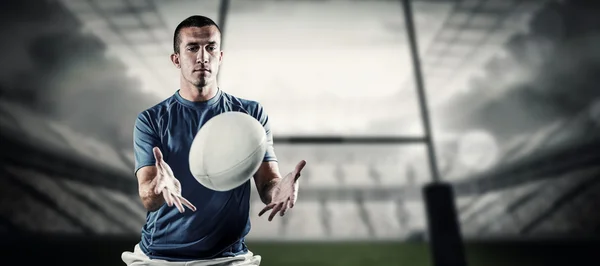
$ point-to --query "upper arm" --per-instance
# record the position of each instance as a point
(261, 115)
(145, 138)
(269, 168)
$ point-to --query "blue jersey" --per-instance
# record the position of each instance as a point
(219, 225)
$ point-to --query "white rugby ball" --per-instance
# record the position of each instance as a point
(227, 150)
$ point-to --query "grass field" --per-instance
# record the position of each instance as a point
(387, 254)
(107, 251)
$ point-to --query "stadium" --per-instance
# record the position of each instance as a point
(511, 90)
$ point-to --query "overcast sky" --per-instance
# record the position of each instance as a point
(326, 60)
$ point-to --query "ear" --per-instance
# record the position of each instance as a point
(175, 60)
(220, 57)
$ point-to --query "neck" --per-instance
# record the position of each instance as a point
(198, 94)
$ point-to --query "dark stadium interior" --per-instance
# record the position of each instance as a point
(519, 142)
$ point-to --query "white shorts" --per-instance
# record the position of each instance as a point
(138, 258)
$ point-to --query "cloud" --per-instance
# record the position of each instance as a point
(61, 72)
(547, 73)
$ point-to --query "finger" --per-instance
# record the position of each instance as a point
(294, 196)
(187, 203)
(171, 198)
(167, 169)
(167, 197)
(292, 201)
(300, 166)
(275, 211)
(157, 154)
(268, 207)
(298, 169)
(159, 179)
(160, 162)
(159, 158)
(178, 204)
(159, 184)
(159, 169)
(164, 194)
(284, 207)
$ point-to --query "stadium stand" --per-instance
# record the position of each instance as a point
(529, 206)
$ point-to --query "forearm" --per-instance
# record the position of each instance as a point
(151, 200)
(265, 191)
(266, 179)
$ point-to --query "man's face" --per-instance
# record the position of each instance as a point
(199, 55)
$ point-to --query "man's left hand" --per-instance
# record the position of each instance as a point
(284, 193)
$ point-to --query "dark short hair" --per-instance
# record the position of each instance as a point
(193, 21)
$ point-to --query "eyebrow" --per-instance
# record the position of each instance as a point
(197, 43)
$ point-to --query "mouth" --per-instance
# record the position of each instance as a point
(201, 70)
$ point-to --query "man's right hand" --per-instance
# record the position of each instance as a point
(168, 185)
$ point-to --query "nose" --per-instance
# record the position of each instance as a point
(203, 57)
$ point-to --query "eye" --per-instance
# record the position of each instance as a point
(192, 48)
(211, 48)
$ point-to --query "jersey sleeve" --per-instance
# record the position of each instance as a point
(145, 138)
(262, 116)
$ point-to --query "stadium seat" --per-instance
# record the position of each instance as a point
(357, 175)
(80, 211)
(30, 126)
(390, 174)
(535, 141)
(92, 149)
(417, 220)
(345, 221)
(322, 175)
(384, 219)
(261, 227)
(126, 208)
(304, 222)
(30, 210)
